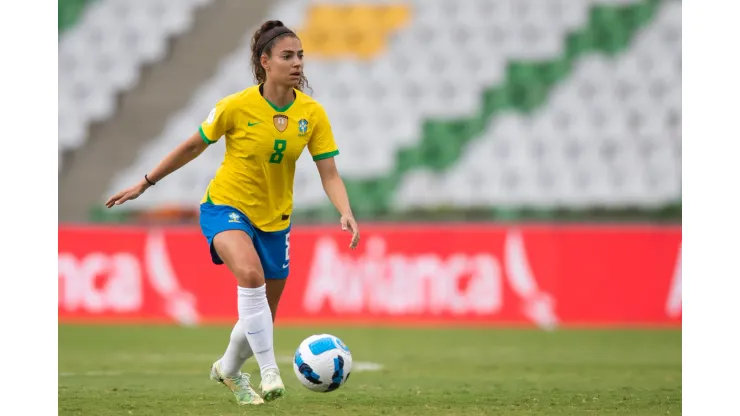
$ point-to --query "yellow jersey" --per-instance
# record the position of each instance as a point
(263, 143)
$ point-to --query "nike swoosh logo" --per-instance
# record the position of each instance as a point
(250, 124)
(285, 266)
(254, 333)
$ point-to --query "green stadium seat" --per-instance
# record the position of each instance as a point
(544, 95)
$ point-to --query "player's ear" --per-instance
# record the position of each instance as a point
(264, 62)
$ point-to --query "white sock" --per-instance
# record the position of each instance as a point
(237, 352)
(256, 321)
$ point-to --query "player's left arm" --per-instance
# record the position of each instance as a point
(337, 193)
(323, 149)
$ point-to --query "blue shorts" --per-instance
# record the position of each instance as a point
(272, 247)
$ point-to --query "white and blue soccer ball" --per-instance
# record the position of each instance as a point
(322, 363)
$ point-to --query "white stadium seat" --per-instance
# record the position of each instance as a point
(607, 135)
(102, 55)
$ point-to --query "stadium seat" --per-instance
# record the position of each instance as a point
(101, 54)
(613, 150)
(481, 103)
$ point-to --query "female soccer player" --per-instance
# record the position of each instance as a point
(245, 211)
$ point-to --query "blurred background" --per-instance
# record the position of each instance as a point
(475, 109)
(511, 162)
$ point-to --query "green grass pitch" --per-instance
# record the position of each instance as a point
(163, 370)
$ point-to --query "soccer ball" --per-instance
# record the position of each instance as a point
(322, 363)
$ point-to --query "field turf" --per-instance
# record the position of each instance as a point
(162, 370)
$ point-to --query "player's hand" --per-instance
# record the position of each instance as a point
(349, 224)
(126, 195)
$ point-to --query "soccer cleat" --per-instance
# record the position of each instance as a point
(238, 385)
(272, 385)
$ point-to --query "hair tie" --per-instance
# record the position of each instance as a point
(280, 30)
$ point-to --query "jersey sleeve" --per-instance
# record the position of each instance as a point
(218, 122)
(322, 145)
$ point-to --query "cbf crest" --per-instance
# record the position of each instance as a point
(302, 127)
(280, 121)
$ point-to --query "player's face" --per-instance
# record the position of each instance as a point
(285, 66)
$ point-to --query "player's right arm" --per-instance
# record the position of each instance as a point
(215, 126)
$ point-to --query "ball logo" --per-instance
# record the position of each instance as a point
(341, 345)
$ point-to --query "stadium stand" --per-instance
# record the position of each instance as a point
(69, 11)
(481, 103)
(103, 45)
(608, 135)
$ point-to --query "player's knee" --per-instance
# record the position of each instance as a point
(249, 276)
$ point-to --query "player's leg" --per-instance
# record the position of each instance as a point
(216, 220)
(238, 252)
(237, 352)
(274, 251)
(272, 248)
(275, 289)
(227, 370)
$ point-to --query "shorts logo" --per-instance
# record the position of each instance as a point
(233, 217)
(302, 127)
(280, 121)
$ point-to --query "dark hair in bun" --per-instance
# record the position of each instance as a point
(263, 41)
